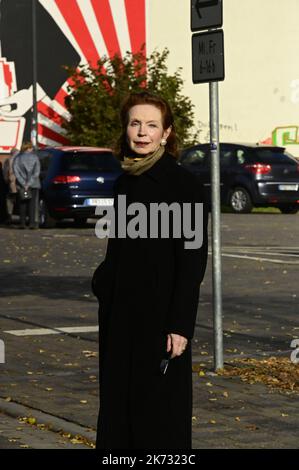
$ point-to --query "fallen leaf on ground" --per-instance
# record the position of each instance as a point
(78, 439)
(90, 353)
(276, 372)
(251, 427)
(75, 440)
(28, 420)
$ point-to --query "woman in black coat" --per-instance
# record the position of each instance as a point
(148, 289)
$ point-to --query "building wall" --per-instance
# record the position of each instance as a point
(259, 99)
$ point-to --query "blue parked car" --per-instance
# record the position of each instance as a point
(74, 181)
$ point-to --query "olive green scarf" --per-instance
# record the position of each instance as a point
(136, 166)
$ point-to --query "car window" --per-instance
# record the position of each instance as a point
(242, 156)
(270, 156)
(44, 158)
(89, 161)
(227, 157)
(195, 157)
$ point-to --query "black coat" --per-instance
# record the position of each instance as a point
(147, 288)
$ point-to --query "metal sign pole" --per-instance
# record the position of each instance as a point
(34, 77)
(216, 234)
(208, 66)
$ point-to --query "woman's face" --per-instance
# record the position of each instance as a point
(145, 129)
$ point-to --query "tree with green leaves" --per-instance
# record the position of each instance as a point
(96, 95)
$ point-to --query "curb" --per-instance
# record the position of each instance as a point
(53, 423)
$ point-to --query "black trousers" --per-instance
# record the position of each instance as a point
(30, 207)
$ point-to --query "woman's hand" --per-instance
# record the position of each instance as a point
(177, 343)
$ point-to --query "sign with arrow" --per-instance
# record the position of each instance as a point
(206, 14)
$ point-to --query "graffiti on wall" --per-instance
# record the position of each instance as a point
(204, 129)
(287, 135)
(11, 129)
(69, 32)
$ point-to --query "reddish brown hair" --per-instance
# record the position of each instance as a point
(167, 120)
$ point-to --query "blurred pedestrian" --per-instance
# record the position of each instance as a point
(26, 167)
(11, 187)
(3, 192)
(148, 291)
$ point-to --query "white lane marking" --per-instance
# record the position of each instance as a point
(270, 253)
(255, 258)
(79, 329)
(256, 252)
(259, 247)
(53, 331)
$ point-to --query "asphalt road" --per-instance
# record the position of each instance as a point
(45, 288)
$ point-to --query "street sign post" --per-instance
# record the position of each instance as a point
(34, 121)
(206, 14)
(216, 227)
(207, 57)
(208, 66)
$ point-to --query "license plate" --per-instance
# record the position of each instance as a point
(288, 187)
(98, 202)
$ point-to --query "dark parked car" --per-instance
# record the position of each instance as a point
(250, 175)
(74, 181)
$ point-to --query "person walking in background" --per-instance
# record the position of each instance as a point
(11, 187)
(3, 192)
(148, 291)
(26, 167)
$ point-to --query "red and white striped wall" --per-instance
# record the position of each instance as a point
(96, 28)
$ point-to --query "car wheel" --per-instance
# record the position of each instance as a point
(45, 220)
(80, 221)
(240, 201)
(291, 209)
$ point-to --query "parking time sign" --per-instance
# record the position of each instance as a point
(207, 57)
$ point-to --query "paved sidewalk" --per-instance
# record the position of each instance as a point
(19, 435)
(22, 427)
(231, 414)
(227, 414)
